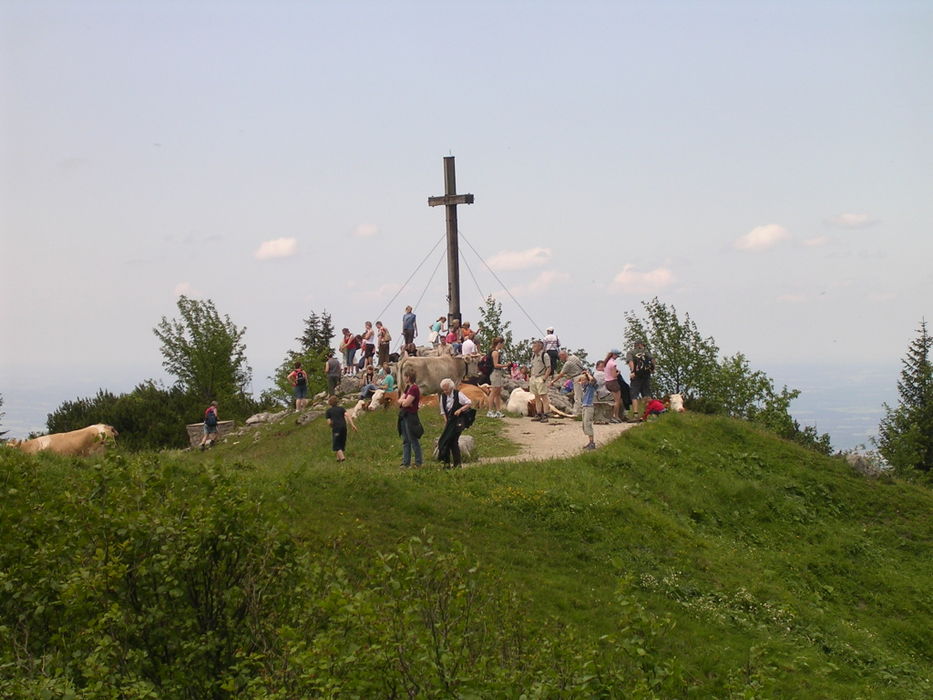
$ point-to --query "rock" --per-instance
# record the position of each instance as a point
(864, 464)
(349, 385)
(467, 448)
(265, 417)
(308, 416)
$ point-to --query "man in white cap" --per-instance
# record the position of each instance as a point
(552, 348)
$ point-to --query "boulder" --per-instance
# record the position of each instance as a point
(467, 448)
(265, 417)
(308, 416)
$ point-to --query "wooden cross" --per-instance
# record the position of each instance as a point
(451, 199)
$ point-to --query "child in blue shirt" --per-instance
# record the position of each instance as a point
(588, 381)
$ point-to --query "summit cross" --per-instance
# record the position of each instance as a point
(451, 200)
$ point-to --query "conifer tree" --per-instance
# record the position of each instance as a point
(905, 435)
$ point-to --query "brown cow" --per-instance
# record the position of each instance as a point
(87, 441)
(477, 395)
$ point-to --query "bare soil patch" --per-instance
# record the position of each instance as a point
(559, 437)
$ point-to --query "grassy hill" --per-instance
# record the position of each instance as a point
(693, 557)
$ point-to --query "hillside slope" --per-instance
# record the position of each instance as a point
(723, 561)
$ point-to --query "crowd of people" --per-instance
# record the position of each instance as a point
(574, 378)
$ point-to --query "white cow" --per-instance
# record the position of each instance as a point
(518, 401)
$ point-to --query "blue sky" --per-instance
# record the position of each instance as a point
(765, 166)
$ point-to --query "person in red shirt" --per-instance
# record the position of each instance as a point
(654, 408)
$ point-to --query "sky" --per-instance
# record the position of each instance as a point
(765, 167)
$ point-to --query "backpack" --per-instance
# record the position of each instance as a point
(301, 379)
(643, 363)
(210, 418)
(486, 365)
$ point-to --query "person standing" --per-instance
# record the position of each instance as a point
(587, 382)
(409, 426)
(538, 383)
(332, 372)
(369, 344)
(337, 418)
(409, 326)
(211, 419)
(641, 365)
(437, 331)
(614, 383)
(572, 368)
(497, 377)
(552, 348)
(299, 380)
(454, 406)
(349, 345)
(383, 337)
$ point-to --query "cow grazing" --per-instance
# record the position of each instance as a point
(87, 441)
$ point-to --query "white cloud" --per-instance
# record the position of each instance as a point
(816, 242)
(185, 289)
(852, 220)
(365, 230)
(380, 293)
(540, 284)
(762, 237)
(632, 281)
(520, 259)
(276, 248)
(792, 298)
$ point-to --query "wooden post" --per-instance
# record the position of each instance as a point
(450, 200)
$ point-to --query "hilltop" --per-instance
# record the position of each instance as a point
(694, 556)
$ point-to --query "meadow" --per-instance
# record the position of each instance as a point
(695, 556)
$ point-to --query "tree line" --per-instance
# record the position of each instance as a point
(206, 354)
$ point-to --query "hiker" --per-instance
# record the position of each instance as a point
(455, 407)
(210, 426)
(614, 384)
(409, 326)
(654, 408)
(409, 425)
(587, 383)
(369, 345)
(572, 368)
(383, 338)
(337, 418)
(641, 365)
(540, 373)
(332, 372)
(497, 377)
(299, 380)
(552, 348)
(437, 331)
(349, 345)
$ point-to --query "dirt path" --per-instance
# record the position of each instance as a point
(557, 438)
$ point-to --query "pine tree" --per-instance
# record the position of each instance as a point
(905, 435)
(314, 347)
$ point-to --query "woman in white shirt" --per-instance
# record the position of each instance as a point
(458, 413)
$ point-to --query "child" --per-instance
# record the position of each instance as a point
(588, 381)
(654, 408)
(337, 418)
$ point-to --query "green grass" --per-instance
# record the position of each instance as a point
(772, 559)
(777, 572)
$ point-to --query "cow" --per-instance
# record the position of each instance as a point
(431, 370)
(87, 441)
(477, 396)
(677, 403)
(518, 401)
